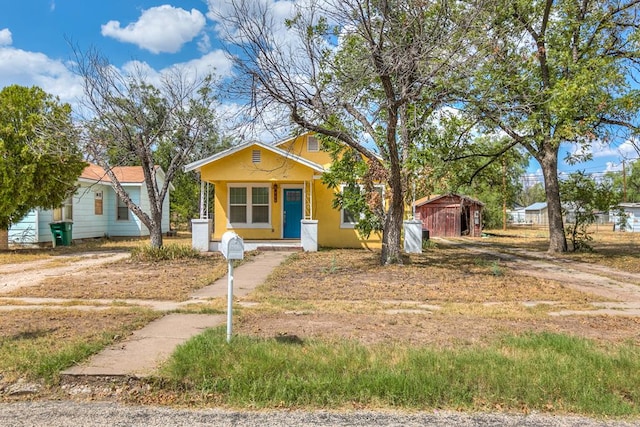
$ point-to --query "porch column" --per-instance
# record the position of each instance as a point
(309, 235)
(201, 234)
(202, 199)
(413, 236)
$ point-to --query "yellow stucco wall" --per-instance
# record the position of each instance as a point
(239, 167)
(330, 234)
(298, 146)
(274, 170)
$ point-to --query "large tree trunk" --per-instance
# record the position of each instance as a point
(155, 231)
(156, 236)
(557, 238)
(4, 240)
(393, 227)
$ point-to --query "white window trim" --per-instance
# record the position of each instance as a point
(248, 224)
(118, 207)
(352, 225)
(65, 211)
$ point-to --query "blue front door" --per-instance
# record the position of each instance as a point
(292, 213)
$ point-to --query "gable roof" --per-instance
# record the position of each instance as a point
(536, 206)
(124, 174)
(431, 199)
(222, 154)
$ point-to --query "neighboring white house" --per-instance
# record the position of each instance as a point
(95, 209)
(516, 216)
(632, 213)
(537, 214)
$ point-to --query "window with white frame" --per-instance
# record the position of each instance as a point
(123, 210)
(350, 219)
(249, 205)
(64, 212)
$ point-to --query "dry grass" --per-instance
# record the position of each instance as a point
(446, 275)
(127, 279)
(36, 342)
(612, 249)
(447, 296)
(20, 254)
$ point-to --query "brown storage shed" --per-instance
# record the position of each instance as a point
(450, 215)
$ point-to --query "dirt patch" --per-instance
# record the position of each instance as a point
(18, 275)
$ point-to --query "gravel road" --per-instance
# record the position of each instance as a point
(58, 414)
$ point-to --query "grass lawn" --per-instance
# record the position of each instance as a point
(38, 344)
(449, 329)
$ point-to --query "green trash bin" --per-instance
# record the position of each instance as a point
(61, 232)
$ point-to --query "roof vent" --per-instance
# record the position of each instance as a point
(312, 144)
(255, 156)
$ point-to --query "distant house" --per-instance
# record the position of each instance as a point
(450, 215)
(95, 209)
(537, 214)
(631, 221)
(516, 216)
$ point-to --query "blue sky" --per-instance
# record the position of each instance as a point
(35, 49)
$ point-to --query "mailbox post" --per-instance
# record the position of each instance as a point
(232, 248)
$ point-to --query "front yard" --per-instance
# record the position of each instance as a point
(453, 305)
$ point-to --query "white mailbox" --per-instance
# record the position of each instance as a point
(232, 246)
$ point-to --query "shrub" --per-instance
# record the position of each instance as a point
(164, 253)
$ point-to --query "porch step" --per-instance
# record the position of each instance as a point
(279, 248)
(265, 245)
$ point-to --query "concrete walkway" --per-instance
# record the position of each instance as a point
(140, 354)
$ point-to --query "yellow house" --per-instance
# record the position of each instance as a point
(273, 194)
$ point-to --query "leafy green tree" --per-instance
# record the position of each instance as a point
(628, 184)
(39, 156)
(481, 170)
(582, 197)
(366, 73)
(557, 71)
(360, 194)
(135, 122)
(185, 197)
(532, 194)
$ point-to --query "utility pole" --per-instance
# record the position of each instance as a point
(504, 194)
(624, 182)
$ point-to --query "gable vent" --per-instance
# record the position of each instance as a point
(256, 156)
(312, 144)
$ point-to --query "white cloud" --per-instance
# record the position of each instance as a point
(600, 149)
(279, 11)
(159, 29)
(613, 167)
(204, 44)
(215, 62)
(36, 69)
(5, 37)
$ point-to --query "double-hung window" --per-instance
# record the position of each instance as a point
(65, 212)
(249, 205)
(123, 210)
(349, 219)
